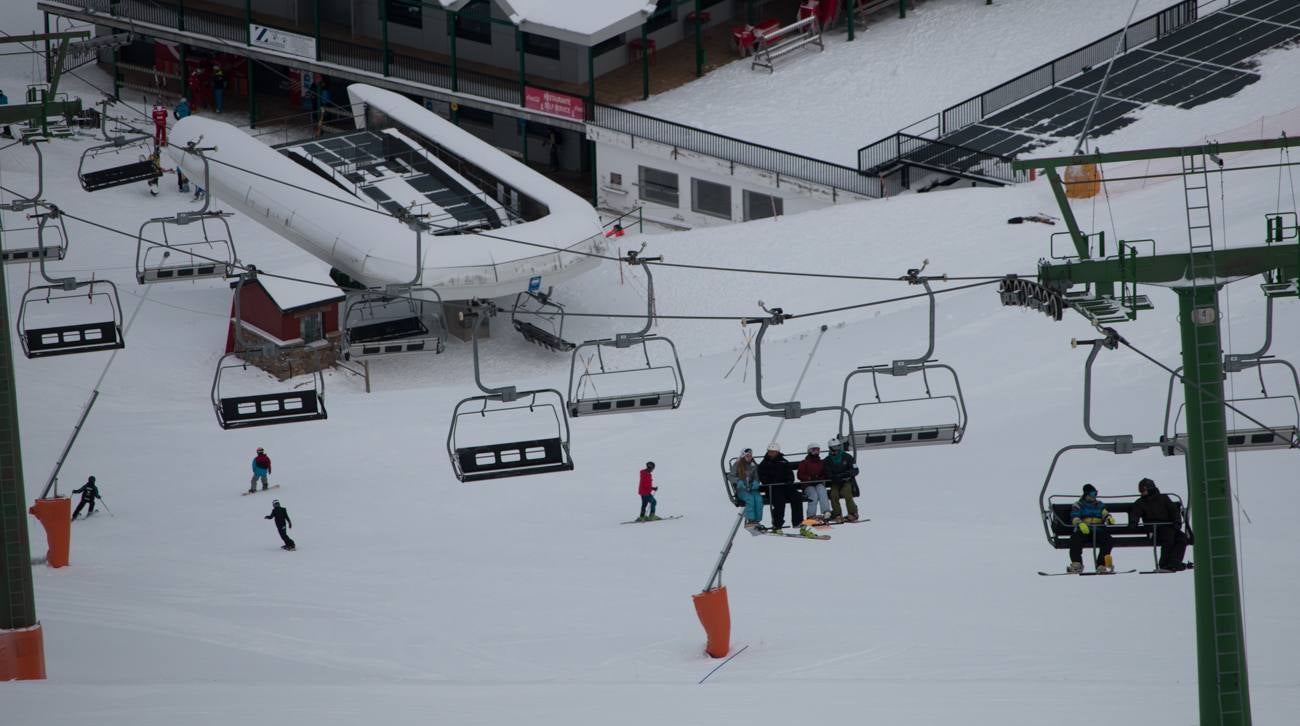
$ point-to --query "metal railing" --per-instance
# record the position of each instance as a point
(781, 163)
(874, 156)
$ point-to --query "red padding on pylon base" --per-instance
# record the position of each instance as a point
(56, 516)
(22, 654)
(715, 616)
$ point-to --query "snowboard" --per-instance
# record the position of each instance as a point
(259, 491)
(647, 521)
(824, 525)
(795, 534)
(1086, 574)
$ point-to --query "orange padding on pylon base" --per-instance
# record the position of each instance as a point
(1082, 181)
(715, 616)
(56, 516)
(22, 654)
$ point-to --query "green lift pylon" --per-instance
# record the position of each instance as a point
(1196, 276)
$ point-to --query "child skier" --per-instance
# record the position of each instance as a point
(261, 467)
(646, 489)
(89, 493)
(282, 522)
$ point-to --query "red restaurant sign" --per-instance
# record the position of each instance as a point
(559, 104)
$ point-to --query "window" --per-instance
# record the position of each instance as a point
(607, 45)
(663, 16)
(540, 45)
(311, 327)
(658, 186)
(762, 206)
(474, 22)
(711, 199)
(616, 179)
(405, 12)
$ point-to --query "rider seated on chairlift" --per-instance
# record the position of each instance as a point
(1156, 508)
(744, 477)
(1090, 518)
(842, 471)
(812, 472)
(775, 473)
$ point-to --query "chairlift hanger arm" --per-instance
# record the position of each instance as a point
(479, 310)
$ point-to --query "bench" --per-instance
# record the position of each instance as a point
(626, 402)
(515, 458)
(116, 176)
(907, 436)
(236, 412)
(544, 338)
(387, 330)
(1122, 534)
(65, 339)
(772, 45)
(1278, 437)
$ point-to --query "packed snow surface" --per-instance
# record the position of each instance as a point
(414, 599)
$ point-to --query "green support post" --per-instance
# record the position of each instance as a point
(699, 42)
(749, 12)
(252, 96)
(383, 31)
(645, 63)
(1220, 639)
(523, 67)
(185, 72)
(180, 15)
(316, 21)
(902, 8)
(849, 20)
(17, 600)
(451, 33)
(591, 81)
(47, 47)
(117, 78)
(248, 29)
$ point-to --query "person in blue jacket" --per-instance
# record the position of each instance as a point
(261, 467)
(744, 477)
(182, 109)
(1090, 518)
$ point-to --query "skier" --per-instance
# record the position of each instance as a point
(775, 473)
(182, 109)
(159, 116)
(261, 467)
(1159, 510)
(156, 159)
(282, 521)
(744, 476)
(89, 493)
(841, 470)
(218, 88)
(812, 471)
(646, 489)
(1090, 518)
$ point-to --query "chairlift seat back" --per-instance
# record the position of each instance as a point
(406, 327)
(544, 338)
(1253, 439)
(515, 458)
(1122, 534)
(264, 409)
(78, 338)
(33, 254)
(116, 176)
(198, 270)
(625, 403)
(907, 436)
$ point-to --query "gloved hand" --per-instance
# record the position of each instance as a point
(1110, 519)
(1083, 528)
(654, 489)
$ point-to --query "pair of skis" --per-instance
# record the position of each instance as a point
(647, 521)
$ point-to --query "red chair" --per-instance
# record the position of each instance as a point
(635, 49)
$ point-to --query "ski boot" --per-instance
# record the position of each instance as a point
(653, 518)
(1074, 568)
(807, 532)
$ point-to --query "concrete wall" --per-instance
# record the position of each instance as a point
(621, 154)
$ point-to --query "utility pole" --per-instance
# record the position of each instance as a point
(1196, 277)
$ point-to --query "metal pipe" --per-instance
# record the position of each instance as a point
(1087, 398)
(715, 579)
(505, 393)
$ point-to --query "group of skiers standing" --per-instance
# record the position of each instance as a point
(820, 482)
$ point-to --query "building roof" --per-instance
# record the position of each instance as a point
(585, 22)
(311, 285)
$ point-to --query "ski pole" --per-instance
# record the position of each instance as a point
(104, 504)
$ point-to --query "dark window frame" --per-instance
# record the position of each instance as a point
(748, 204)
(409, 13)
(654, 187)
(614, 42)
(696, 197)
(541, 46)
(473, 25)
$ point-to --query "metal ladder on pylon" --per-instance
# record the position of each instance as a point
(1229, 645)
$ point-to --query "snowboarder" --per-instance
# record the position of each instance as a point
(156, 159)
(1090, 518)
(744, 476)
(812, 471)
(1159, 510)
(646, 489)
(261, 467)
(159, 116)
(89, 493)
(841, 470)
(182, 109)
(775, 473)
(182, 181)
(282, 522)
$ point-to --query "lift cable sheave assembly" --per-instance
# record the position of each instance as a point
(585, 398)
(493, 460)
(947, 432)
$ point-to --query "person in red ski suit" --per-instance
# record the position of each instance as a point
(159, 116)
(646, 489)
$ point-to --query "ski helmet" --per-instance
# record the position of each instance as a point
(1089, 490)
(650, 465)
(92, 480)
(260, 450)
(275, 502)
(774, 447)
(813, 445)
(835, 444)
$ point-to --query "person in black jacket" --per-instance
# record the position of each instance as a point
(775, 473)
(1158, 509)
(841, 470)
(282, 521)
(89, 493)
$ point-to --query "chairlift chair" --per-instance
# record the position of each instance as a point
(548, 330)
(787, 410)
(1252, 438)
(119, 174)
(68, 337)
(237, 411)
(948, 432)
(585, 396)
(479, 462)
(212, 256)
(14, 251)
(1055, 509)
(391, 321)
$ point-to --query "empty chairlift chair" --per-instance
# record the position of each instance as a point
(207, 250)
(400, 319)
(117, 162)
(237, 408)
(540, 320)
(472, 462)
(949, 431)
(46, 326)
(657, 384)
(787, 410)
(19, 242)
(1255, 435)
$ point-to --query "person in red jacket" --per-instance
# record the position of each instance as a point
(646, 489)
(159, 116)
(812, 471)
